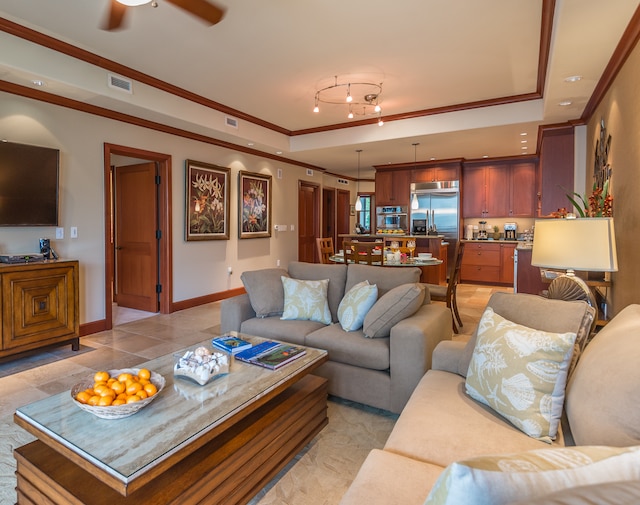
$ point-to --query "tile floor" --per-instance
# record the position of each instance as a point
(137, 337)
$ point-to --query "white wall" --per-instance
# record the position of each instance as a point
(199, 268)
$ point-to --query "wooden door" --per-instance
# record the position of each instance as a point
(308, 221)
(328, 226)
(136, 244)
(343, 213)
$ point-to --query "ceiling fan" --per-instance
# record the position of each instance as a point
(208, 12)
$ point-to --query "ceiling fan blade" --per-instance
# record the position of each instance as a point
(116, 16)
(206, 11)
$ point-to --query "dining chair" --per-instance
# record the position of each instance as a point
(402, 244)
(325, 249)
(447, 294)
(369, 253)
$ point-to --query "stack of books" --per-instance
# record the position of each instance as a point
(272, 355)
(230, 344)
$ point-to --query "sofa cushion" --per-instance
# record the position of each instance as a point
(521, 373)
(501, 479)
(557, 316)
(607, 493)
(306, 300)
(394, 306)
(337, 275)
(603, 395)
(385, 278)
(442, 424)
(265, 291)
(274, 328)
(355, 305)
(351, 347)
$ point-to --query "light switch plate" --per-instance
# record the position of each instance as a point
(59, 233)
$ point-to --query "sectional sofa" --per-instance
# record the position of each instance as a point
(393, 326)
(449, 448)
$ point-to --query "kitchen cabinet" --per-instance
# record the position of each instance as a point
(488, 262)
(39, 305)
(393, 187)
(499, 190)
(556, 169)
(440, 172)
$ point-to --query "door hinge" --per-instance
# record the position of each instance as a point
(158, 234)
(158, 288)
(158, 180)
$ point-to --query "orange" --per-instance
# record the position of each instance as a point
(142, 394)
(118, 387)
(94, 400)
(101, 376)
(143, 373)
(118, 402)
(133, 388)
(104, 391)
(144, 381)
(100, 383)
(151, 389)
(83, 397)
(122, 396)
(133, 399)
(124, 377)
(105, 401)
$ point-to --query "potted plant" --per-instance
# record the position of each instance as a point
(496, 233)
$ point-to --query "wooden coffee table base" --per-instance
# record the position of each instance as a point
(231, 469)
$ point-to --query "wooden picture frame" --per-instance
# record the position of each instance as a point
(254, 212)
(207, 201)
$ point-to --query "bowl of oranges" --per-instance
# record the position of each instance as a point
(115, 394)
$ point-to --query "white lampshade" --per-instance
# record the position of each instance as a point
(575, 244)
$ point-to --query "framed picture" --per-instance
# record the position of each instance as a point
(254, 191)
(207, 201)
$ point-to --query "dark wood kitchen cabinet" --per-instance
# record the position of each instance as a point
(556, 169)
(393, 187)
(499, 190)
(488, 262)
(39, 305)
(442, 171)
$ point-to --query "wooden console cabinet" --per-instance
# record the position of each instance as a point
(488, 262)
(39, 303)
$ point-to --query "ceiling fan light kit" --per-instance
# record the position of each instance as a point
(133, 3)
(202, 9)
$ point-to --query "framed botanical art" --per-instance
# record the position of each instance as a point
(207, 201)
(254, 191)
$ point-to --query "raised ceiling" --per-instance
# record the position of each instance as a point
(461, 77)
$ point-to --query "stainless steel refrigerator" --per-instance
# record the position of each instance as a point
(437, 203)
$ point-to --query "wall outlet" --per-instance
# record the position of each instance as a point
(59, 233)
(229, 270)
(277, 263)
(73, 232)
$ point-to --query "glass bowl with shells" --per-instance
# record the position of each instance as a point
(201, 364)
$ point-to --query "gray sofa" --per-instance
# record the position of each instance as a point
(380, 372)
(448, 441)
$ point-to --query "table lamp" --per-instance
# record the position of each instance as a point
(587, 244)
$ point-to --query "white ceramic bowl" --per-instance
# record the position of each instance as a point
(425, 256)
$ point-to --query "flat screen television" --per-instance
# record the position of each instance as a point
(28, 185)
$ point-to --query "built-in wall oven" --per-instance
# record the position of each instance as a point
(392, 218)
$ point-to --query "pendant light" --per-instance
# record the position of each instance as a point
(358, 201)
(414, 201)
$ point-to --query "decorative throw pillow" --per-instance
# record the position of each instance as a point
(306, 300)
(394, 306)
(503, 479)
(355, 305)
(264, 288)
(520, 373)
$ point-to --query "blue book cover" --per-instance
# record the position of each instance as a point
(230, 344)
(256, 350)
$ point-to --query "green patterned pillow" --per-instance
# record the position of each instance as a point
(306, 300)
(521, 373)
(355, 305)
(503, 479)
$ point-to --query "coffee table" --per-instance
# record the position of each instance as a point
(218, 443)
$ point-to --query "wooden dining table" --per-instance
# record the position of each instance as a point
(429, 275)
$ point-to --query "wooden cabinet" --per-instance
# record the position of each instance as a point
(39, 305)
(556, 169)
(499, 190)
(488, 262)
(506, 263)
(393, 187)
(440, 172)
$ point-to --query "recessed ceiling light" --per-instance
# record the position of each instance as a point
(524, 148)
(38, 82)
(278, 152)
(573, 78)
(431, 159)
(250, 144)
(565, 103)
(524, 134)
(524, 141)
(486, 156)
